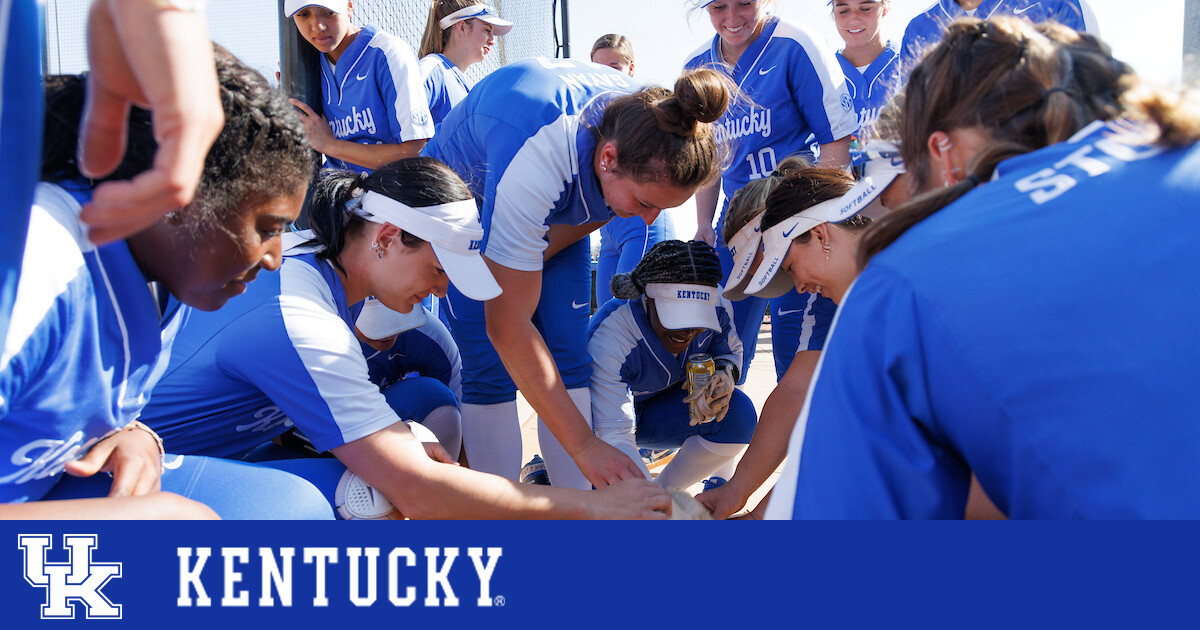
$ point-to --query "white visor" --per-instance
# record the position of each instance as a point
(881, 166)
(683, 306)
(451, 228)
(767, 282)
(376, 321)
(479, 12)
(337, 6)
(742, 247)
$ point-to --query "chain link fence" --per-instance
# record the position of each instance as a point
(251, 30)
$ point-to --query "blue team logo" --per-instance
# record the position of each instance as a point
(847, 102)
(475, 245)
(77, 581)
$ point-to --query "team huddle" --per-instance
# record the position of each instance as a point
(334, 316)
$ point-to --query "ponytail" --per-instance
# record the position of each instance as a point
(664, 135)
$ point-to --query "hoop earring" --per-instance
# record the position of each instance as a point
(377, 249)
(825, 246)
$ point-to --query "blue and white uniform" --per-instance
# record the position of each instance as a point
(282, 354)
(523, 141)
(21, 101)
(445, 84)
(872, 87)
(636, 389)
(926, 29)
(86, 346)
(795, 89)
(1057, 412)
(375, 94)
(427, 350)
(623, 242)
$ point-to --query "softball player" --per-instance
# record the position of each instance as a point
(926, 28)
(871, 65)
(668, 309)
(552, 150)
(458, 35)
(286, 354)
(1055, 418)
(623, 240)
(374, 105)
(90, 339)
(792, 197)
(794, 88)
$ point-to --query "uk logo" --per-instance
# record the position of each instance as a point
(77, 581)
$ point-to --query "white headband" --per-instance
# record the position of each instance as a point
(477, 11)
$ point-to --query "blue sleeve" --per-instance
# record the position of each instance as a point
(811, 92)
(866, 444)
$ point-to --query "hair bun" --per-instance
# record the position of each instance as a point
(703, 94)
(623, 287)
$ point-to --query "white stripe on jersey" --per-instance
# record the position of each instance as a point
(41, 283)
(527, 192)
(411, 97)
(612, 342)
(330, 354)
(842, 122)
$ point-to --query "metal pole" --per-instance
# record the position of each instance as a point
(567, 30)
(299, 64)
(1191, 43)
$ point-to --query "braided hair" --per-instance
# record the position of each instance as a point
(670, 262)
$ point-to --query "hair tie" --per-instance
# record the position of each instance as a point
(1058, 88)
(973, 180)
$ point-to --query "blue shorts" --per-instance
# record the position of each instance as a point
(234, 490)
(20, 142)
(799, 321)
(414, 397)
(623, 242)
(663, 421)
(561, 318)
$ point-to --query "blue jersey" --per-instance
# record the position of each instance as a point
(926, 29)
(794, 88)
(445, 85)
(630, 364)
(427, 350)
(375, 93)
(872, 87)
(1056, 410)
(20, 136)
(283, 353)
(85, 347)
(523, 140)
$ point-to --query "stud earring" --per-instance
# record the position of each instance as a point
(825, 245)
(604, 166)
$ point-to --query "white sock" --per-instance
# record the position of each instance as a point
(559, 464)
(492, 437)
(446, 424)
(696, 461)
(726, 470)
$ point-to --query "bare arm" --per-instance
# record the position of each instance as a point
(769, 445)
(369, 155)
(156, 506)
(393, 461)
(142, 53)
(706, 210)
(531, 366)
(836, 154)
